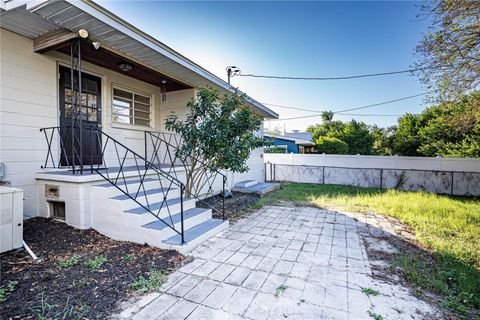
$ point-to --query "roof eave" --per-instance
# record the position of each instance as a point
(118, 23)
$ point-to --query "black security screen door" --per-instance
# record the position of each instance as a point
(90, 102)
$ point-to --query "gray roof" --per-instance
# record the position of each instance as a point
(300, 135)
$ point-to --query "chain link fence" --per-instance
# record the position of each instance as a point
(458, 183)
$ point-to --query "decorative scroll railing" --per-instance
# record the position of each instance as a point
(202, 182)
(126, 170)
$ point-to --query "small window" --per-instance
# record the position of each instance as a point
(131, 107)
(57, 210)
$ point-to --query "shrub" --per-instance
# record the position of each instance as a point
(331, 145)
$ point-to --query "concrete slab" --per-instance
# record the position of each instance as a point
(259, 188)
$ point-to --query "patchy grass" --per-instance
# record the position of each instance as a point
(69, 262)
(48, 311)
(370, 292)
(457, 282)
(155, 279)
(4, 290)
(42, 289)
(375, 316)
(281, 289)
(96, 263)
(447, 226)
(128, 258)
(444, 224)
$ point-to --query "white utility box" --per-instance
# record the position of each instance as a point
(11, 218)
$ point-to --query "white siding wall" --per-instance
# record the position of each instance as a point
(28, 102)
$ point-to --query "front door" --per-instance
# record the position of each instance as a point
(91, 113)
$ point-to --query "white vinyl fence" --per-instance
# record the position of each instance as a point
(439, 175)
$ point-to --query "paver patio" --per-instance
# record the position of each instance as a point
(282, 262)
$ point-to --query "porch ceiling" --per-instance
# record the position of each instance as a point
(110, 60)
(38, 17)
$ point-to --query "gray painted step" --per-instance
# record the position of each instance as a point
(141, 193)
(188, 214)
(109, 185)
(194, 232)
(259, 188)
(246, 183)
(156, 206)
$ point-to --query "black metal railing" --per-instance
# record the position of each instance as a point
(121, 167)
(203, 182)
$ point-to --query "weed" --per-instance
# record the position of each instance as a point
(96, 263)
(128, 258)
(154, 281)
(280, 290)
(69, 262)
(375, 316)
(48, 311)
(4, 290)
(370, 292)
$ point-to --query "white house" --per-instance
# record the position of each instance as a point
(84, 95)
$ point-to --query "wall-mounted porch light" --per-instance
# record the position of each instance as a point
(125, 67)
(163, 89)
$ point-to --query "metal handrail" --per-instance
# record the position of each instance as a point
(117, 177)
(186, 159)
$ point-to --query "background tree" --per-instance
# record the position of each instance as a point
(354, 133)
(406, 140)
(331, 145)
(450, 129)
(383, 140)
(219, 133)
(449, 55)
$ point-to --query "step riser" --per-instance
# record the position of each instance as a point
(152, 198)
(187, 224)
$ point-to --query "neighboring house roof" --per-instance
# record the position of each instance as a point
(300, 135)
(33, 18)
(298, 141)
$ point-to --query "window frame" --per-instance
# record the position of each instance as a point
(132, 110)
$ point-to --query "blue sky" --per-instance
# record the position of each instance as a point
(296, 39)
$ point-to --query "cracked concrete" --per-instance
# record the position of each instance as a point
(284, 263)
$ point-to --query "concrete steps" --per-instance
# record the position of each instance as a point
(116, 215)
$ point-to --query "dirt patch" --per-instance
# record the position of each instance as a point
(237, 206)
(383, 250)
(81, 275)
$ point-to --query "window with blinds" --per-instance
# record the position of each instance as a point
(131, 108)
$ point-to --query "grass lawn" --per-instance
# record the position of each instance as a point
(448, 226)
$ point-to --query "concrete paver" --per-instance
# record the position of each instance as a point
(282, 262)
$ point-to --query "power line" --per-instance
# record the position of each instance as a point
(368, 106)
(345, 110)
(329, 78)
(369, 114)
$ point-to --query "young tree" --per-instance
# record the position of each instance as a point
(219, 133)
(449, 55)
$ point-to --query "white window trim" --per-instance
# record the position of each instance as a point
(131, 126)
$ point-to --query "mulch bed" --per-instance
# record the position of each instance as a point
(47, 291)
(237, 206)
